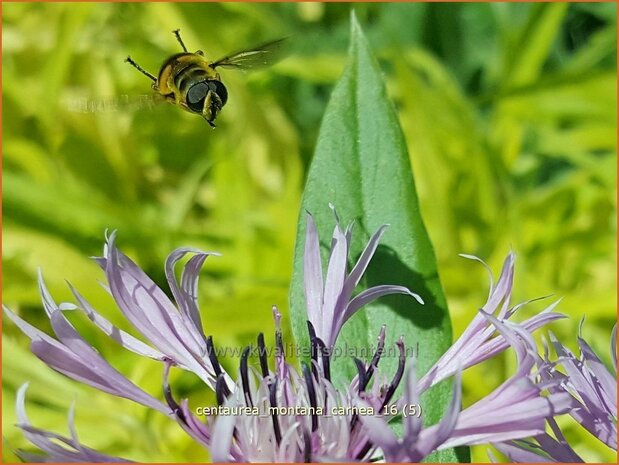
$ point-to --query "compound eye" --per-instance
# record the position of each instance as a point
(220, 90)
(196, 95)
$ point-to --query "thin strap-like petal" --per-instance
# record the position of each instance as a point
(312, 273)
(122, 337)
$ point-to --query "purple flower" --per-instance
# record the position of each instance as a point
(278, 412)
(330, 304)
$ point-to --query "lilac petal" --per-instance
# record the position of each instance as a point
(577, 373)
(198, 429)
(189, 285)
(520, 341)
(223, 430)
(96, 373)
(151, 312)
(504, 417)
(483, 435)
(65, 332)
(101, 261)
(515, 308)
(69, 337)
(123, 338)
(431, 438)
(147, 319)
(558, 449)
(334, 283)
(149, 300)
(186, 295)
(594, 415)
(73, 431)
(497, 344)
(503, 290)
(51, 443)
(606, 382)
(373, 293)
(461, 350)
(357, 272)
(288, 446)
(543, 318)
(354, 277)
(81, 362)
(380, 434)
(312, 274)
(501, 293)
(449, 421)
(46, 298)
(33, 333)
(613, 346)
(412, 424)
(50, 308)
(486, 266)
(37, 438)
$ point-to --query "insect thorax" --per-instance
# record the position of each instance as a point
(181, 71)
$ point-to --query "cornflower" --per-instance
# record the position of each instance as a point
(279, 413)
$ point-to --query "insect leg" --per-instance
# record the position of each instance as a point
(177, 33)
(140, 69)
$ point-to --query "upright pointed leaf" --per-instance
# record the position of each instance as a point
(362, 167)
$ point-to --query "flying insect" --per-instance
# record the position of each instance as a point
(190, 81)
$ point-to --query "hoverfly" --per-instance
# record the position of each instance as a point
(192, 82)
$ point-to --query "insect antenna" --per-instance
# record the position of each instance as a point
(140, 69)
(177, 33)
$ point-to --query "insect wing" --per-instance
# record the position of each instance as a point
(121, 103)
(256, 57)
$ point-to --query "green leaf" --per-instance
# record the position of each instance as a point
(362, 167)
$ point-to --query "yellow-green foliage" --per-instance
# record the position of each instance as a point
(509, 111)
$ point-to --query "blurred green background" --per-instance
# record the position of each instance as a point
(509, 111)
